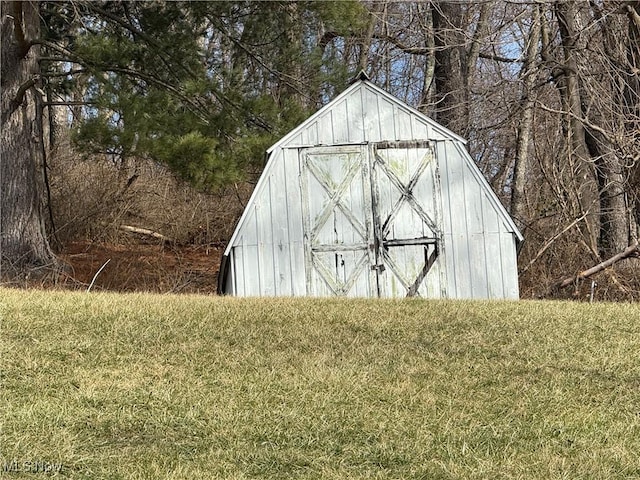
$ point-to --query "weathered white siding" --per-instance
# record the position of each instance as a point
(480, 238)
(364, 114)
(292, 240)
(267, 255)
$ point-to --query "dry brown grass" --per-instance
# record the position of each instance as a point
(566, 257)
(139, 386)
(92, 199)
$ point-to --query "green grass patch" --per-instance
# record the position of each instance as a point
(144, 386)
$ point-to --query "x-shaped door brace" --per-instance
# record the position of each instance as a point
(406, 194)
(335, 199)
(328, 276)
(412, 286)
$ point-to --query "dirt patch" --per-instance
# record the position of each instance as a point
(142, 267)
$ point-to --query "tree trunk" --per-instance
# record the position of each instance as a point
(291, 81)
(24, 245)
(614, 225)
(427, 97)
(521, 165)
(452, 109)
(631, 109)
(583, 174)
(601, 91)
(365, 42)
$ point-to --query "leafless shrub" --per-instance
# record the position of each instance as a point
(92, 199)
(568, 255)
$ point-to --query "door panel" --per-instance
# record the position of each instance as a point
(406, 215)
(335, 185)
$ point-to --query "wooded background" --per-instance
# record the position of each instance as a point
(546, 92)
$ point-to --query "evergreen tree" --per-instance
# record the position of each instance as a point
(203, 87)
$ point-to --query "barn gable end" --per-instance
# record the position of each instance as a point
(369, 197)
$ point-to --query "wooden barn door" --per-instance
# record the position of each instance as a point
(406, 216)
(370, 220)
(336, 202)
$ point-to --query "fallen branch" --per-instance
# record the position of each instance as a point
(96, 275)
(144, 231)
(631, 251)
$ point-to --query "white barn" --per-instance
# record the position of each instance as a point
(371, 198)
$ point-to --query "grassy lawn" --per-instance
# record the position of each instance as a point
(191, 387)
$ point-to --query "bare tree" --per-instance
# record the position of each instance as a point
(24, 245)
(529, 75)
(578, 156)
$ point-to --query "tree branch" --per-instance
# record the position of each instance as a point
(586, 123)
(631, 251)
(69, 56)
(67, 104)
(430, 50)
(195, 108)
(17, 100)
(633, 15)
(154, 43)
(64, 74)
(146, 232)
(198, 108)
(551, 242)
(290, 81)
(498, 58)
(156, 81)
(405, 48)
(326, 38)
(137, 32)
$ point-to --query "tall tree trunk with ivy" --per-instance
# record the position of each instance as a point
(24, 245)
